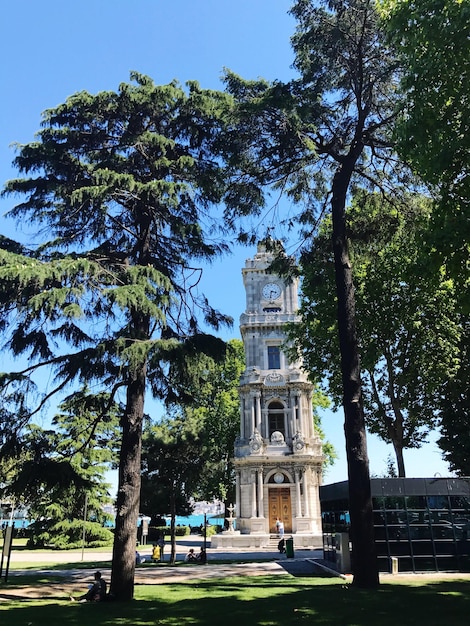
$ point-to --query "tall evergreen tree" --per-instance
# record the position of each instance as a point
(121, 185)
(315, 138)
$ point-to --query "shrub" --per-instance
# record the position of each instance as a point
(65, 535)
(211, 530)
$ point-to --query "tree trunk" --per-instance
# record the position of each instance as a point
(128, 497)
(364, 560)
(400, 460)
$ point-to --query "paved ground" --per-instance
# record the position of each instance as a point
(182, 547)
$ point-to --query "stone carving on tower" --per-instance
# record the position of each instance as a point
(278, 455)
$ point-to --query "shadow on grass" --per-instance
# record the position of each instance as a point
(256, 601)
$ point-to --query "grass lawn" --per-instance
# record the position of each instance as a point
(258, 601)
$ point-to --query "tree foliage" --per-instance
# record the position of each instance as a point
(431, 37)
(188, 455)
(321, 401)
(120, 185)
(455, 410)
(218, 411)
(173, 460)
(408, 326)
(60, 475)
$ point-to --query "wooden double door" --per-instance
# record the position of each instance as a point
(280, 507)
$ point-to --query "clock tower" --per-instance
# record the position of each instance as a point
(278, 455)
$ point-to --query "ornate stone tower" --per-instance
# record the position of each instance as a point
(278, 456)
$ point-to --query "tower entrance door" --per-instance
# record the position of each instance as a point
(280, 507)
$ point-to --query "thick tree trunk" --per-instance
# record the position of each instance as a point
(128, 497)
(364, 560)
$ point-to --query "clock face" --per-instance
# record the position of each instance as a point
(278, 478)
(271, 291)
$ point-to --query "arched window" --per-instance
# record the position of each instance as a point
(276, 419)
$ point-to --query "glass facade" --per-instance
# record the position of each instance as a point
(424, 522)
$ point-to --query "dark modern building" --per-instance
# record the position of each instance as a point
(423, 524)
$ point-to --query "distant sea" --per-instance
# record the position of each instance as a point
(189, 520)
(194, 520)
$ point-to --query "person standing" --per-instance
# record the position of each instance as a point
(155, 553)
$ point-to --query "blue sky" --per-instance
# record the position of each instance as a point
(50, 49)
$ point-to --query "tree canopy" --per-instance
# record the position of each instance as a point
(60, 475)
(120, 186)
(431, 38)
(218, 411)
(454, 413)
(173, 460)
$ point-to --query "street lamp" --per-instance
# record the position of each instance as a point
(205, 530)
(205, 509)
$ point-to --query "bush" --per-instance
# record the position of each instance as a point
(66, 535)
(211, 530)
(157, 531)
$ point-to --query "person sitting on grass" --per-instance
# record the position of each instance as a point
(96, 592)
(190, 557)
(202, 556)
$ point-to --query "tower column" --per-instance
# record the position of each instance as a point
(237, 495)
(298, 425)
(253, 495)
(310, 414)
(306, 492)
(297, 493)
(258, 410)
(264, 417)
(260, 493)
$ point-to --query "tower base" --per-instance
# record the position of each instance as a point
(314, 542)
